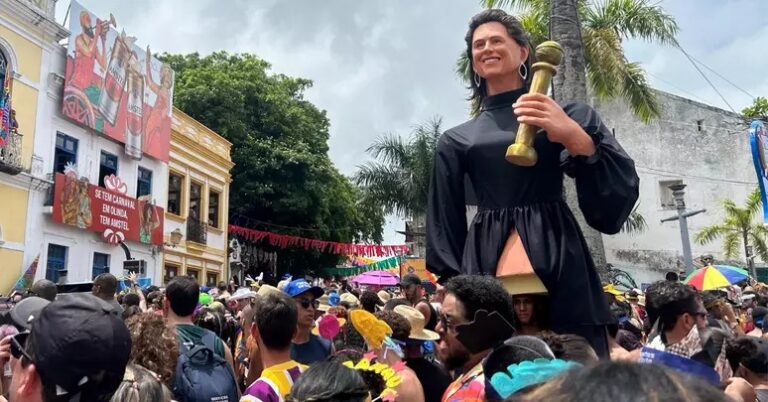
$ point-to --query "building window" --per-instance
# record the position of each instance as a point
(665, 193)
(107, 166)
(144, 183)
(213, 209)
(171, 271)
(100, 264)
(211, 279)
(175, 186)
(700, 125)
(65, 153)
(195, 201)
(56, 265)
(194, 274)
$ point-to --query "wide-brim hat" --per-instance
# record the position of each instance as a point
(384, 296)
(418, 322)
(324, 305)
(350, 298)
(242, 293)
(267, 289)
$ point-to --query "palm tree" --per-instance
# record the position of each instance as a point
(399, 180)
(604, 25)
(739, 228)
(635, 222)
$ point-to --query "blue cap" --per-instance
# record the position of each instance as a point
(300, 286)
(334, 299)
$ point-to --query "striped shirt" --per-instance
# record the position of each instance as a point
(275, 382)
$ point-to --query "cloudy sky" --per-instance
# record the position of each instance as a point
(383, 66)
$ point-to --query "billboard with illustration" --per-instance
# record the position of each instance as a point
(116, 88)
(107, 210)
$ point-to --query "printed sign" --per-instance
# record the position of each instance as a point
(108, 211)
(117, 88)
(418, 267)
(759, 144)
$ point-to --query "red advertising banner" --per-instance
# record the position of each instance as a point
(108, 211)
(117, 88)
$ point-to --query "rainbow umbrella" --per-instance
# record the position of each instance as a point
(707, 278)
(733, 274)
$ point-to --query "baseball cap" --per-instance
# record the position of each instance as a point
(25, 311)
(758, 361)
(299, 286)
(81, 346)
(410, 279)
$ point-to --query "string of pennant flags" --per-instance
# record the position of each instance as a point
(389, 264)
(286, 241)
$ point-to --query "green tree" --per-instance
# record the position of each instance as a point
(604, 25)
(758, 109)
(400, 177)
(740, 229)
(635, 222)
(282, 172)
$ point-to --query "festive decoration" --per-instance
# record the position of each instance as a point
(371, 328)
(26, 279)
(391, 264)
(285, 241)
(527, 373)
(5, 105)
(391, 375)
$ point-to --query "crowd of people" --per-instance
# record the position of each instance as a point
(316, 341)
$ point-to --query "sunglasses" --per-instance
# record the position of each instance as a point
(18, 342)
(306, 303)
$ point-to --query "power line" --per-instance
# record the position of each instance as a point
(723, 78)
(696, 66)
(675, 86)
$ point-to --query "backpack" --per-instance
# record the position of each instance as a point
(203, 376)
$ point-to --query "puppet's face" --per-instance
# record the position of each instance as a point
(495, 54)
(523, 308)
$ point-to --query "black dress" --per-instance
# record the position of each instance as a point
(530, 201)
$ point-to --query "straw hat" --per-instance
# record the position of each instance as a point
(350, 298)
(324, 303)
(384, 296)
(417, 321)
(267, 289)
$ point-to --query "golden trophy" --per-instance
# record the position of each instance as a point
(548, 57)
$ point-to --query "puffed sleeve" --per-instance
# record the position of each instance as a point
(606, 182)
(446, 210)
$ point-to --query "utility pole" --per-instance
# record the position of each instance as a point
(682, 215)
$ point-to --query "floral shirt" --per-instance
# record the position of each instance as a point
(469, 387)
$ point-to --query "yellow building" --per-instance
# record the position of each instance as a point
(196, 216)
(28, 36)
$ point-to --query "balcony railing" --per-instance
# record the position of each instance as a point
(197, 231)
(10, 154)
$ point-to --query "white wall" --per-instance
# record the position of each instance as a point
(82, 244)
(714, 162)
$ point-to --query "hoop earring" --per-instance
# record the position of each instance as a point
(478, 80)
(523, 71)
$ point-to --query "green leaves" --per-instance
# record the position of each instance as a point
(739, 225)
(282, 172)
(399, 180)
(758, 109)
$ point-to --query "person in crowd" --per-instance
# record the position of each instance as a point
(223, 293)
(20, 318)
(720, 313)
(679, 323)
(211, 320)
(155, 302)
(307, 347)
(274, 326)
(329, 382)
(349, 301)
(413, 291)
(748, 357)
(410, 390)
(571, 347)
(760, 321)
(623, 381)
(349, 338)
(390, 305)
(155, 346)
(465, 295)
(181, 296)
(501, 367)
(105, 287)
(370, 301)
(384, 297)
(434, 379)
(531, 313)
(621, 342)
(140, 384)
(77, 349)
(45, 289)
(129, 312)
(638, 311)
